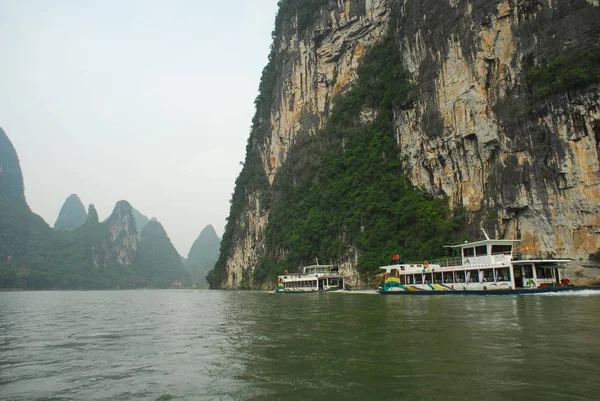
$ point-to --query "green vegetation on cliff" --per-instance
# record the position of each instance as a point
(345, 191)
(302, 11)
(568, 71)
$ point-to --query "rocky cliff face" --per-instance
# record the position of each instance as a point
(119, 245)
(72, 215)
(467, 136)
(316, 64)
(522, 165)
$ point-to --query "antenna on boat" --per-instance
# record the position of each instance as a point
(484, 233)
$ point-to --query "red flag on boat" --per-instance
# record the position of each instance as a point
(396, 257)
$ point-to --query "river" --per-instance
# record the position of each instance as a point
(230, 345)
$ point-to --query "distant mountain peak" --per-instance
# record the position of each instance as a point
(203, 254)
(72, 215)
(209, 230)
(140, 221)
(11, 176)
(92, 215)
(159, 257)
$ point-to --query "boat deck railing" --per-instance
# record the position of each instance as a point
(447, 262)
(484, 260)
(533, 256)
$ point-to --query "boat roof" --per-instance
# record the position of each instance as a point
(484, 242)
(530, 261)
(306, 267)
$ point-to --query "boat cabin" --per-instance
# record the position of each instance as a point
(313, 278)
(486, 252)
(484, 265)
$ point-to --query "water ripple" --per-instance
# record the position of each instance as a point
(200, 345)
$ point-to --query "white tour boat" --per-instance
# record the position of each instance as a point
(484, 267)
(313, 278)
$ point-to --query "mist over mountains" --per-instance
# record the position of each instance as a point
(127, 250)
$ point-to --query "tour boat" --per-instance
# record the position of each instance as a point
(487, 267)
(314, 278)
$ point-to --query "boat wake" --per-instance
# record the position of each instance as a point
(574, 293)
(371, 292)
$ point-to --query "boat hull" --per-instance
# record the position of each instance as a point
(278, 291)
(517, 291)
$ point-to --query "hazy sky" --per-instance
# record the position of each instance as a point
(149, 101)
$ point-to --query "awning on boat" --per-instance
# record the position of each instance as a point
(483, 242)
(550, 263)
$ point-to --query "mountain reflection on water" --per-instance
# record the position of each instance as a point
(217, 345)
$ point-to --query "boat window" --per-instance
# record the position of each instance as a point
(472, 276)
(460, 276)
(428, 278)
(481, 250)
(527, 271)
(437, 278)
(488, 275)
(409, 279)
(448, 277)
(395, 272)
(503, 274)
(418, 279)
(504, 249)
(468, 252)
(401, 279)
(542, 272)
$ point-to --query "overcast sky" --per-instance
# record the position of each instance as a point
(149, 101)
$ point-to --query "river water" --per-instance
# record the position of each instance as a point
(217, 345)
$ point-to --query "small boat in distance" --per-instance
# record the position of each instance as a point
(314, 278)
(487, 267)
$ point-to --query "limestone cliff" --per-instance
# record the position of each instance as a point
(468, 136)
(520, 160)
(119, 243)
